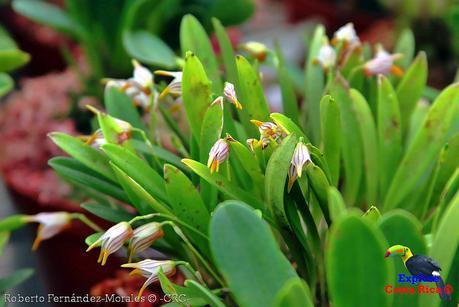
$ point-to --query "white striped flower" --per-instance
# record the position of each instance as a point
(149, 269)
(50, 224)
(95, 140)
(327, 56)
(346, 34)
(138, 87)
(300, 157)
(175, 86)
(268, 131)
(383, 63)
(230, 94)
(218, 153)
(112, 240)
(143, 237)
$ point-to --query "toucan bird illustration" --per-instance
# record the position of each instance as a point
(419, 265)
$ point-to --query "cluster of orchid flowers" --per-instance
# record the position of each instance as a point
(346, 37)
(112, 240)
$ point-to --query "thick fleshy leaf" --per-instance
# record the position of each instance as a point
(356, 251)
(411, 87)
(197, 92)
(369, 141)
(405, 45)
(119, 105)
(76, 172)
(351, 142)
(248, 256)
(194, 38)
(294, 293)
(425, 146)
(248, 161)
(89, 156)
(276, 175)
(252, 95)
(108, 211)
(314, 87)
(11, 57)
(211, 131)
(319, 184)
(148, 48)
(336, 204)
(227, 53)
(6, 84)
(223, 184)
(186, 203)
(4, 237)
(444, 249)
(50, 15)
(137, 169)
(389, 133)
(288, 125)
(144, 202)
(401, 227)
(330, 130)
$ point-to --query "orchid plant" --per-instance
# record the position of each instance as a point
(268, 209)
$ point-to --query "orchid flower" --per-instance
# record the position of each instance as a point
(346, 34)
(143, 237)
(149, 269)
(300, 157)
(219, 153)
(50, 224)
(268, 131)
(230, 94)
(383, 63)
(175, 86)
(112, 240)
(327, 56)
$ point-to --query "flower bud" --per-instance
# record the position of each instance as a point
(143, 237)
(230, 94)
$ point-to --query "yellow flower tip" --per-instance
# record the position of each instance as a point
(36, 243)
(92, 109)
(290, 183)
(396, 71)
(144, 286)
(214, 166)
(164, 93)
(105, 257)
(256, 122)
(238, 104)
(135, 63)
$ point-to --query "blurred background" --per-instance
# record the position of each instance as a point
(61, 49)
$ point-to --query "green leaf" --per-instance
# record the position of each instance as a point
(444, 248)
(223, 184)
(401, 227)
(252, 95)
(119, 105)
(227, 53)
(93, 238)
(196, 89)
(4, 237)
(351, 142)
(6, 84)
(289, 100)
(211, 131)
(319, 184)
(248, 256)
(137, 169)
(141, 199)
(249, 162)
(16, 278)
(353, 257)
(13, 222)
(405, 45)
(11, 58)
(425, 146)
(75, 171)
(50, 15)
(336, 204)
(314, 78)
(294, 293)
(108, 211)
(185, 200)
(148, 48)
(369, 141)
(205, 293)
(411, 87)
(180, 295)
(330, 128)
(389, 133)
(288, 125)
(276, 175)
(194, 38)
(89, 156)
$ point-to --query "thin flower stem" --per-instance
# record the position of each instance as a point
(179, 232)
(149, 145)
(191, 270)
(87, 221)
